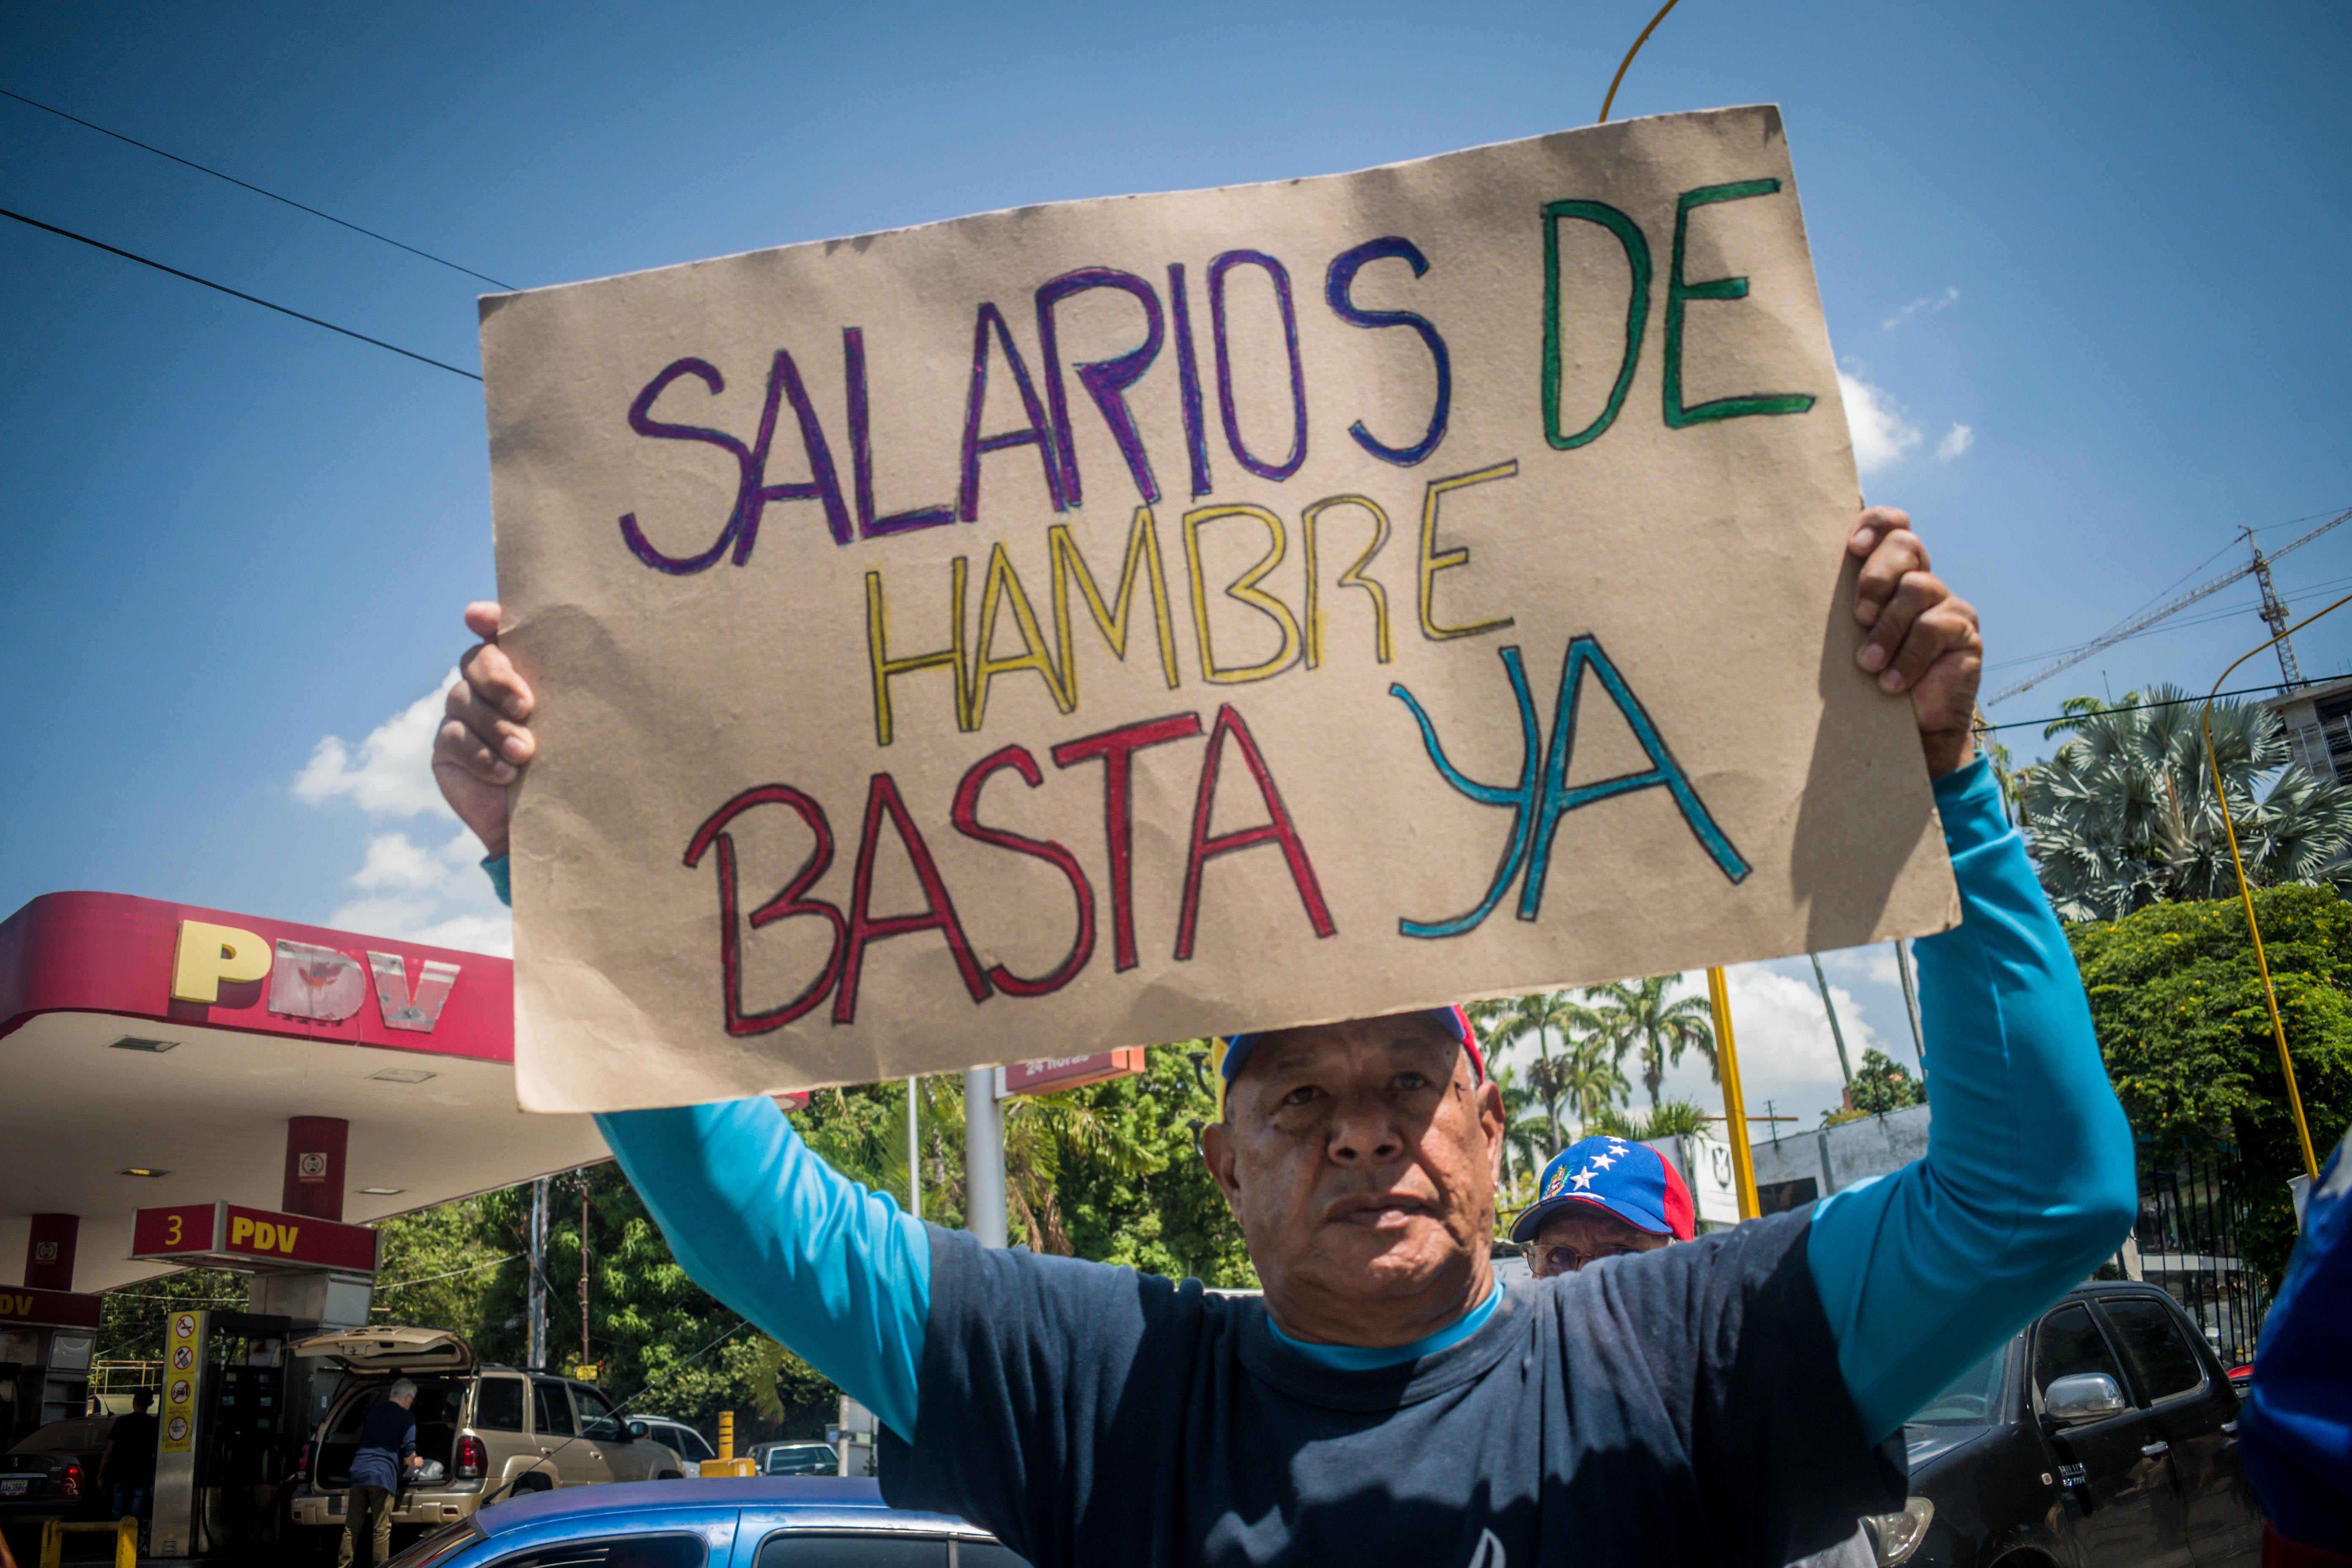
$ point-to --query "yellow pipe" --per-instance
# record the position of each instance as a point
(1735, 1105)
(2246, 893)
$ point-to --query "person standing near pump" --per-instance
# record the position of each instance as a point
(1736, 1400)
(127, 1469)
(387, 1445)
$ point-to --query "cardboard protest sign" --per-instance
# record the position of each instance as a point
(1097, 624)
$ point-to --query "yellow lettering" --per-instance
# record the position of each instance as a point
(1353, 577)
(1433, 560)
(208, 954)
(951, 658)
(285, 1235)
(1112, 619)
(1003, 587)
(240, 1230)
(1243, 588)
(171, 1231)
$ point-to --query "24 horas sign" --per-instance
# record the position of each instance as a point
(1096, 624)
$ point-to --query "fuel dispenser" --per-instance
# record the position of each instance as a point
(228, 1439)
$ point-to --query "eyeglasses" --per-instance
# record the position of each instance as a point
(1548, 1259)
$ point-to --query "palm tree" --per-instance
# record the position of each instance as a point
(1507, 1020)
(1637, 1015)
(1591, 1080)
(1836, 1033)
(1040, 1130)
(1522, 1125)
(2124, 815)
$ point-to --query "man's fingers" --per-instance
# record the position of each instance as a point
(1896, 557)
(485, 726)
(1917, 592)
(482, 617)
(455, 744)
(1945, 627)
(493, 680)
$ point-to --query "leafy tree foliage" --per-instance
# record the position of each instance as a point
(2125, 814)
(132, 1320)
(2178, 1006)
(1883, 1084)
(1639, 1016)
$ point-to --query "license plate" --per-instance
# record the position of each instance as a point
(13, 1486)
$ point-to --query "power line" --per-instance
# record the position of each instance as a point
(2134, 707)
(248, 299)
(256, 190)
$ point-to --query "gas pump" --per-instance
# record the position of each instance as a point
(228, 1440)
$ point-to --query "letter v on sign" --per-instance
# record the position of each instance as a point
(416, 1010)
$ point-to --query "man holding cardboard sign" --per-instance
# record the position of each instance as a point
(1286, 797)
(1736, 1400)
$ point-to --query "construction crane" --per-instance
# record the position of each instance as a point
(2273, 612)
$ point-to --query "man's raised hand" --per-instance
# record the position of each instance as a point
(1923, 638)
(483, 744)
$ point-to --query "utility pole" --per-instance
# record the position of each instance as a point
(914, 1152)
(1911, 1003)
(2273, 612)
(983, 1157)
(538, 1307)
(1831, 1008)
(583, 1273)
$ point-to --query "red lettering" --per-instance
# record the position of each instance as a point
(1280, 830)
(966, 817)
(783, 906)
(937, 913)
(1116, 748)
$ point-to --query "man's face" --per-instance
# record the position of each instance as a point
(1360, 1159)
(1583, 1233)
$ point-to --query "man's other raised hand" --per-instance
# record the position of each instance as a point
(484, 741)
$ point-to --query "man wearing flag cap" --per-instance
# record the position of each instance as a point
(1739, 1400)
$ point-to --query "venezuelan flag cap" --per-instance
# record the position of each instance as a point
(1632, 1181)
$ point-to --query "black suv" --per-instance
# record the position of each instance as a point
(2106, 1433)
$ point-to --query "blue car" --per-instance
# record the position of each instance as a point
(782, 1521)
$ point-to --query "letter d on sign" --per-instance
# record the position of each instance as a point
(208, 954)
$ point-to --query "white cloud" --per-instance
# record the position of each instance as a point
(390, 774)
(1956, 440)
(433, 893)
(1876, 421)
(1929, 302)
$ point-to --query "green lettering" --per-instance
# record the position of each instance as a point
(1678, 416)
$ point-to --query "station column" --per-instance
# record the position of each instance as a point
(314, 1165)
(49, 1252)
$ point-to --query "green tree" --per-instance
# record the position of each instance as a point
(436, 1266)
(1524, 1122)
(2178, 1006)
(1505, 1021)
(1676, 1118)
(1884, 1084)
(1637, 1015)
(1593, 1080)
(131, 1319)
(1162, 1213)
(2124, 816)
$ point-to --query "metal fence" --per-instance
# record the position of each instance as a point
(2192, 1209)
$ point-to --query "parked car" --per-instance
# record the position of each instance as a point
(797, 1458)
(689, 1445)
(761, 1522)
(2106, 1433)
(51, 1472)
(496, 1431)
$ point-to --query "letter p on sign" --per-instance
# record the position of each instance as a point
(208, 954)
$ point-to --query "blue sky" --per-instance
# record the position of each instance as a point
(2081, 258)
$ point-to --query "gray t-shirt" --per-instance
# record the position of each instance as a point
(1682, 1406)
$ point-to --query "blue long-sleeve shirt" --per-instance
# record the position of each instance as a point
(2027, 1182)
